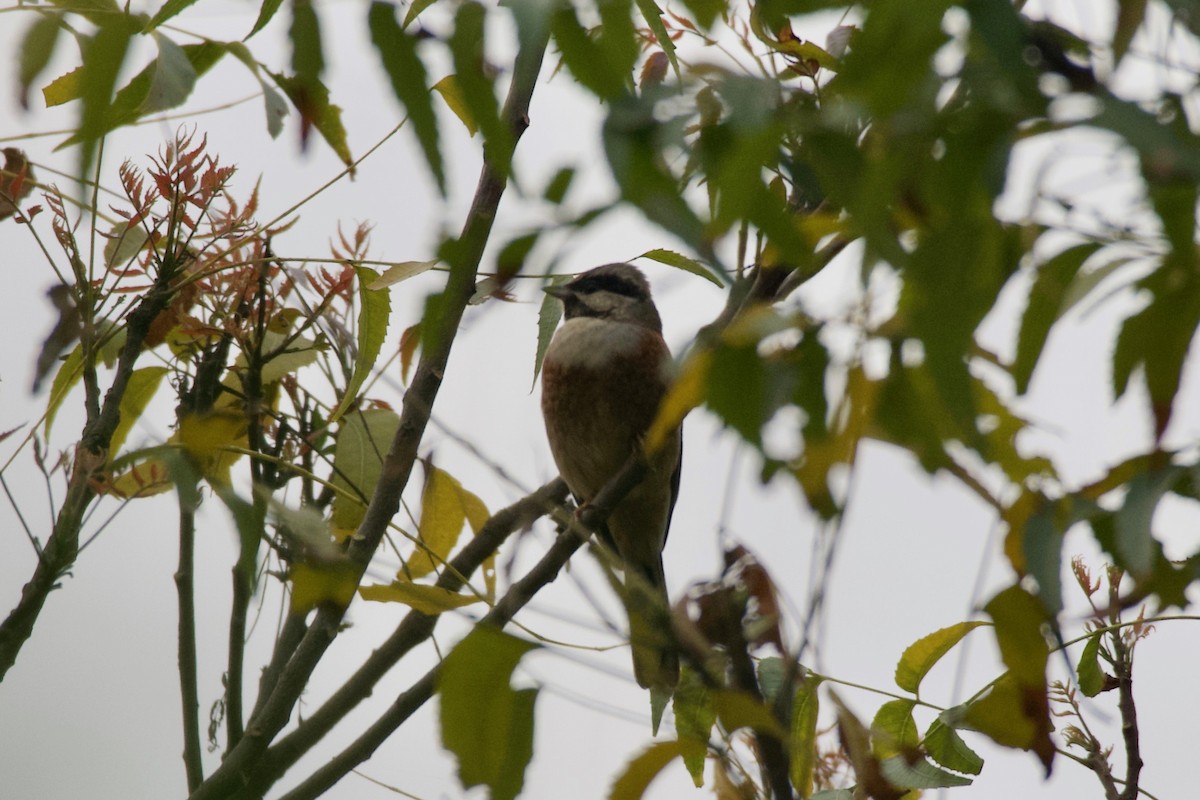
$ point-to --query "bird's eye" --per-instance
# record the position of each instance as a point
(607, 283)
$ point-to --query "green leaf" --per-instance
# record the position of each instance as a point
(168, 10)
(363, 439)
(35, 51)
(920, 656)
(414, 10)
(1045, 305)
(266, 13)
(806, 707)
(680, 261)
(653, 16)
(398, 53)
(274, 105)
(602, 63)
(312, 101)
(893, 729)
(143, 383)
(738, 709)
(1091, 677)
(694, 719)
(472, 76)
(1130, 14)
(556, 189)
(1042, 542)
(103, 57)
(999, 716)
(549, 314)
(97, 12)
(308, 58)
(638, 774)
(487, 725)
(430, 600)
(173, 79)
(947, 748)
(634, 141)
(705, 12)
(1016, 712)
(1019, 618)
(374, 310)
(1136, 547)
(919, 774)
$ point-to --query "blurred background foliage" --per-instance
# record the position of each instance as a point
(763, 157)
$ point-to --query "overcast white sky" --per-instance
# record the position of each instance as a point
(91, 709)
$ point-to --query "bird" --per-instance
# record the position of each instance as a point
(604, 374)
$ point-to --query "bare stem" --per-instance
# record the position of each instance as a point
(189, 695)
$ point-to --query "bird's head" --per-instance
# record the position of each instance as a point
(617, 292)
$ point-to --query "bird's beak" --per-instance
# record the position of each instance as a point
(559, 291)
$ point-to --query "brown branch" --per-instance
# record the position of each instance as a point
(275, 711)
(413, 630)
(188, 692)
(91, 456)
(1123, 666)
(574, 534)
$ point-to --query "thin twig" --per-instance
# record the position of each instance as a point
(414, 629)
(188, 692)
(275, 711)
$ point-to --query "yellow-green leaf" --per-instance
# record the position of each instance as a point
(451, 92)
(431, 600)
(143, 383)
(694, 719)
(374, 310)
(1019, 618)
(485, 723)
(317, 583)
(1091, 677)
(737, 709)
(443, 513)
(805, 708)
(893, 729)
(920, 656)
(401, 272)
(680, 261)
(363, 439)
(208, 439)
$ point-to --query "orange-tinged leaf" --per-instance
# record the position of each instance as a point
(409, 340)
(427, 599)
(143, 479)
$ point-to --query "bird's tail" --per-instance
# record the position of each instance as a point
(655, 660)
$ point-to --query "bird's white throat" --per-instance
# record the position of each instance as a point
(591, 343)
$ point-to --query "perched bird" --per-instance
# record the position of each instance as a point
(603, 376)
